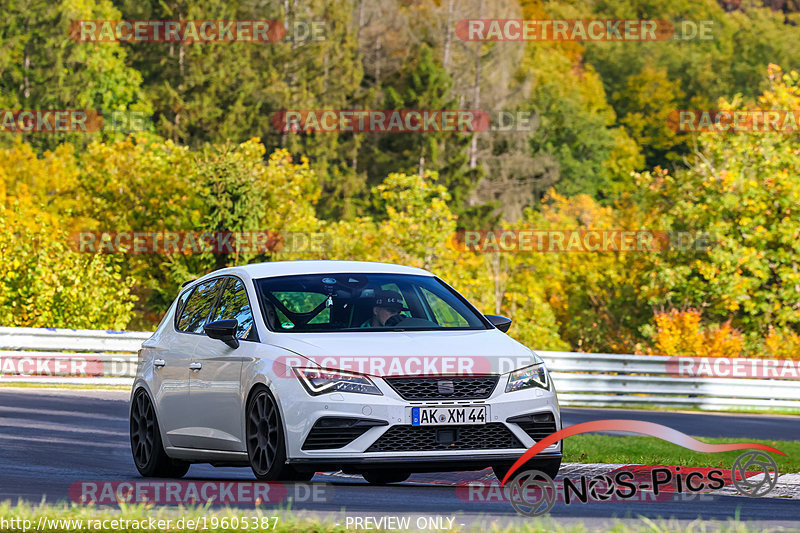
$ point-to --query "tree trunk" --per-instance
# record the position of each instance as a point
(448, 35)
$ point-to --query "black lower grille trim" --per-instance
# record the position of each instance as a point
(331, 432)
(492, 436)
(536, 425)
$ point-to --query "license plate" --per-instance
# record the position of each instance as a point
(447, 416)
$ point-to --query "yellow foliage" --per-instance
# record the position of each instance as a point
(45, 284)
(680, 333)
(781, 344)
(49, 180)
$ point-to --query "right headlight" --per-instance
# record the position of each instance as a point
(528, 377)
(320, 381)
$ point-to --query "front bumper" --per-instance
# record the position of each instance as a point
(392, 411)
(434, 463)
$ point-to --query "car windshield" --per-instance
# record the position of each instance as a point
(363, 302)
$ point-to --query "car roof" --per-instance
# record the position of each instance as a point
(287, 268)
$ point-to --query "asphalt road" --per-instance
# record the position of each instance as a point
(740, 426)
(51, 439)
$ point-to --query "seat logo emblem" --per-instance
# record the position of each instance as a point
(446, 387)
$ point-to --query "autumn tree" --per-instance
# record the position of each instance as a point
(742, 191)
(41, 67)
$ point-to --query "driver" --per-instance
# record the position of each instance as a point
(386, 310)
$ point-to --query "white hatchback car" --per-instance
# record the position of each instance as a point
(303, 366)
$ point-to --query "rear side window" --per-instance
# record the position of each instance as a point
(234, 304)
(181, 304)
(198, 306)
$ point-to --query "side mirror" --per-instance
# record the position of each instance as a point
(500, 322)
(224, 330)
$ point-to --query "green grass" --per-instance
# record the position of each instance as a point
(683, 409)
(592, 448)
(289, 522)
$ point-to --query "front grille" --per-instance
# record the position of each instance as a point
(419, 439)
(536, 425)
(444, 388)
(332, 432)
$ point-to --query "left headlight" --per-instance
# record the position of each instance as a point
(320, 381)
(528, 377)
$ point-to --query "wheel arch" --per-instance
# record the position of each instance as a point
(141, 384)
(263, 384)
(256, 376)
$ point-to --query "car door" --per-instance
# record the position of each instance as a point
(172, 372)
(215, 389)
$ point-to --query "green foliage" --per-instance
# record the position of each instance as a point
(644, 106)
(240, 192)
(416, 227)
(231, 92)
(576, 127)
(745, 194)
(138, 185)
(214, 161)
(42, 68)
(688, 74)
(44, 283)
(425, 85)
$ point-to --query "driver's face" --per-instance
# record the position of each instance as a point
(383, 314)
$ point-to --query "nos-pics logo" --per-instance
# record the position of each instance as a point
(533, 493)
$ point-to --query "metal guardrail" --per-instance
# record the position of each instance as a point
(35, 355)
(608, 380)
(69, 356)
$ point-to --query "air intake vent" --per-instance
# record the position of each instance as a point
(331, 432)
(493, 436)
(536, 425)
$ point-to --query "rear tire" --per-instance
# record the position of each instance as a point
(384, 477)
(146, 446)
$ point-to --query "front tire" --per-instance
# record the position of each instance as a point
(146, 446)
(548, 466)
(266, 444)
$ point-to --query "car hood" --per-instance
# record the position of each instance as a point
(408, 352)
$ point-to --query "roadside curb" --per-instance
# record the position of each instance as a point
(787, 487)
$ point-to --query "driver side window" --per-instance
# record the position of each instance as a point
(234, 304)
(198, 306)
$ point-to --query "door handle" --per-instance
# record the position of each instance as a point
(158, 363)
(195, 366)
